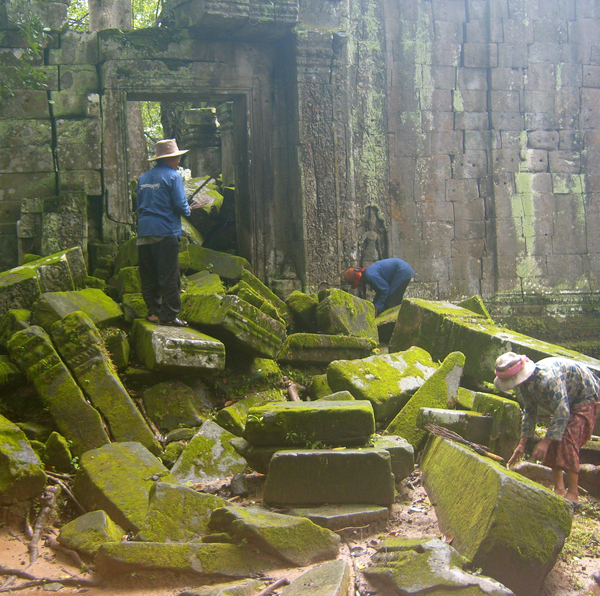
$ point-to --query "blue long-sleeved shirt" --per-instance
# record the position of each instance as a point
(385, 277)
(161, 202)
(557, 385)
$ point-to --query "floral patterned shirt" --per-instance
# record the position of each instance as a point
(557, 385)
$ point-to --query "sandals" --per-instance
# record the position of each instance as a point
(175, 323)
(152, 318)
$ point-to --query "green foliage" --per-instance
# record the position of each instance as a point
(145, 14)
(153, 129)
(79, 16)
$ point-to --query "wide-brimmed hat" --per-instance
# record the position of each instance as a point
(511, 370)
(353, 276)
(167, 148)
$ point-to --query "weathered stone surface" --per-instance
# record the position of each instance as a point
(338, 396)
(258, 458)
(53, 306)
(345, 517)
(341, 313)
(442, 327)
(387, 381)
(80, 345)
(205, 283)
(127, 281)
(319, 388)
(386, 322)
(311, 477)
(402, 455)
(76, 420)
(246, 292)
(420, 566)
(13, 321)
(246, 587)
(227, 560)
(293, 540)
(9, 374)
(174, 404)
(162, 347)
(117, 478)
(226, 266)
(234, 320)
(209, 456)
(233, 417)
(304, 310)
(21, 474)
(177, 514)
(506, 426)
(509, 526)
(117, 345)
(57, 454)
(258, 286)
(310, 423)
(320, 348)
(87, 532)
(328, 579)
(471, 426)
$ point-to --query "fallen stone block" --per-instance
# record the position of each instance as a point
(177, 514)
(21, 286)
(117, 345)
(14, 320)
(589, 479)
(258, 458)
(323, 349)
(21, 474)
(246, 587)
(475, 304)
(338, 396)
(472, 426)
(233, 417)
(219, 560)
(442, 328)
(57, 454)
(303, 308)
(117, 478)
(536, 472)
(10, 375)
(319, 388)
(53, 306)
(387, 381)
(328, 579)
(506, 422)
(293, 540)
(590, 452)
(162, 347)
(341, 313)
(208, 456)
(173, 404)
(437, 391)
(86, 533)
(310, 423)
(510, 527)
(80, 344)
(235, 321)
(419, 566)
(368, 518)
(127, 281)
(76, 420)
(251, 296)
(258, 286)
(317, 476)
(204, 283)
(402, 455)
(134, 307)
(226, 266)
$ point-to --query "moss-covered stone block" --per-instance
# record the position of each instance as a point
(254, 376)
(176, 348)
(386, 380)
(57, 454)
(208, 560)
(86, 533)
(127, 281)
(81, 347)
(35, 431)
(310, 423)
(476, 305)
(117, 478)
(258, 458)
(76, 420)
(226, 266)
(341, 313)
(386, 322)
(208, 456)
(442, 328)
(311, 477)
(117, 345)
(345, 519)
(173, 404)
(21, 474)
(472, 426)
(100, 308)
(262, 290)
(322, 349)
(235, 321)
(402, 455)
(510, 527)
(127, 255)
(14, 320)
(296, 541)
(10, 375)
(134, 307)
(319, 387)
(18, 289)
(204, 284)
(437, 391)
(304, 310)
(250, 295)
(426, 566)
(233, 417)
(177, 514)
(338, 396)
(506, 422)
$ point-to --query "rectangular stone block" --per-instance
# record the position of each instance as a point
(585, 31)
(512, 55)
(461, 191)
(20, 186)
(506, 160)
(10, 211)
(543, 139)
(80, 79)
(505, 101)
(433, 120)
(477, 32)
(448, 32)
(23, 133)
(471, 121)
(34, 104)
(322, 348)
(542, 121)
(480, 55)
(470, 101)
(550, 30)
(508, 121)
(499, 9)
(517, 30)
(73, 105)
(567, 162)
(468, 230)
(544, 52)
(435, 99)
(535, 160)
(482, 140)
(88, 180)
(472, 79)
(591, 76)
(444, 142)
(76, 47)
(507, 78)
(471, 164)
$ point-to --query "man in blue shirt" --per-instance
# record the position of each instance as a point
(161, 201)
(388, 277)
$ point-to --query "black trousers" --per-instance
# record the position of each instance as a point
(396, 298)
(161, 284)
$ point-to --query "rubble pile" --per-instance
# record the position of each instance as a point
(154, 433)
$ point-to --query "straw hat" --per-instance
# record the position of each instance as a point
(511, 370)
(167, 148)
(353, 276)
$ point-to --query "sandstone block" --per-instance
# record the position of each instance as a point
(226, 266)
(313, 347)
(340, 313)
(328, 579)
(87, 532)
(402, 455)
(233, 417)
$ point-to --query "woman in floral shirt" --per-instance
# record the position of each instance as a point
(569, 391)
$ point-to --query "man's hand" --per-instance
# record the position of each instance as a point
(518, 453)
(540, 450)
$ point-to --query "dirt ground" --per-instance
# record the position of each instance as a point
(412, 516)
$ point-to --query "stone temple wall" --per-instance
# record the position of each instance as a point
(461, 135)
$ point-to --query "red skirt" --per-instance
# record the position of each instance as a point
(564, 454)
